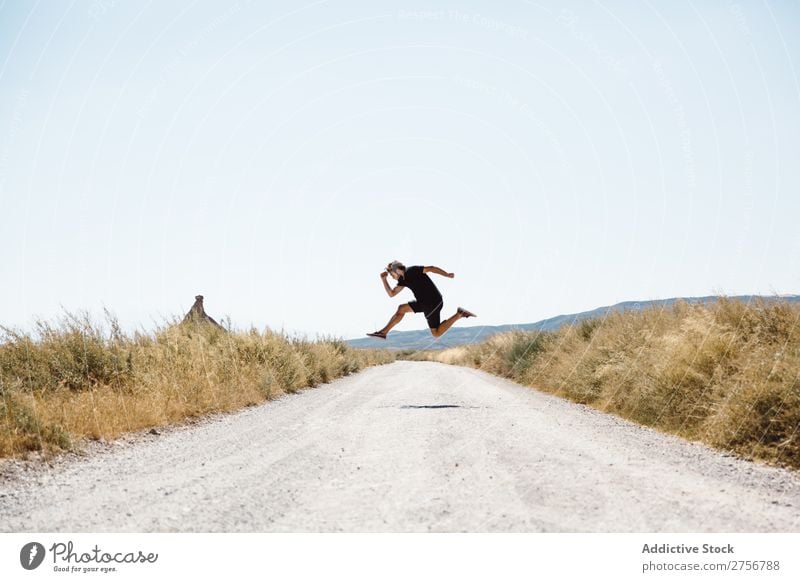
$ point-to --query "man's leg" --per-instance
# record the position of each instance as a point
(446, 324)
(398, 315)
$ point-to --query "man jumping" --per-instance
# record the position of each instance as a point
(428, 299)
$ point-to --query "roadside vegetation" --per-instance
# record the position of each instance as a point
(726, 373)
(75, 378)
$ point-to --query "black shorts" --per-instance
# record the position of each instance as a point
(432, 312)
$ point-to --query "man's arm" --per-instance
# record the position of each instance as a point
(391, 292)
(438, 271)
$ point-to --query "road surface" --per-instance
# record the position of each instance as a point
(408, 446)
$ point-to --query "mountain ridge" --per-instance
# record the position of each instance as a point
(456, 336)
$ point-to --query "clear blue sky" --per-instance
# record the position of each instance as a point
(556, 157)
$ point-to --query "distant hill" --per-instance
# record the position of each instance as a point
(460, 335)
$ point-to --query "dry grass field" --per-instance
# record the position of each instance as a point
(75, 378)
(726, 373)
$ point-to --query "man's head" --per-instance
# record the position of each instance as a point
(396, 269)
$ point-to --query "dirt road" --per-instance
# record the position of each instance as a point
(409, 446)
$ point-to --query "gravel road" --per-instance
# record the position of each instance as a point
(408, 446)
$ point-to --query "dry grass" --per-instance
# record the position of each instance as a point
(727, 373)
(76, 379)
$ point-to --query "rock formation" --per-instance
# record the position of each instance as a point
(197, 314)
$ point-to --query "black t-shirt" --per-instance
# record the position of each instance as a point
(424, 290)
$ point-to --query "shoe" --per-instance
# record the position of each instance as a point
(377, 334)
(464, 313)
